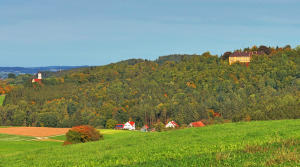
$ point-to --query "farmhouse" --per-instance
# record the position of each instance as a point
(242, 57)
(119, 126)
(172, 124)
(39, 79)
(145, 128)
(130, 125)
(196, 124)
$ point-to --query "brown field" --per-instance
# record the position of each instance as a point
(34, 131)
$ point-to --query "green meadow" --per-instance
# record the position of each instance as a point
(261, 143)
(2, 98)
(7, 137)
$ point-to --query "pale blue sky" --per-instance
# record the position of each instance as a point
(98, 32)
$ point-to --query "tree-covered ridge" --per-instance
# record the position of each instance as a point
(180, 87)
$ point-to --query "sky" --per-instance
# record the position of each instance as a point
(99, 32)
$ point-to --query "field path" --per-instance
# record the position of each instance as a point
(46, 139)
(34, 131)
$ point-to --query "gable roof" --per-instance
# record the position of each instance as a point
(131, 123)
(36, 80)
(174, 123)
(197, 124)
(245, 54)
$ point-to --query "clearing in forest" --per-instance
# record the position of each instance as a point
(2, 98)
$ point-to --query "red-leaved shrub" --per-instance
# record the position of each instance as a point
(82, 134)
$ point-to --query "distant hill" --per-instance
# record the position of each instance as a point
(4, 71)
(171, 58)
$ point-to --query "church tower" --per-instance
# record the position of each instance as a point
(39, 75)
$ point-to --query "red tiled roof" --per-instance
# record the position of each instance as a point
(131, 123)
(197, 124)
(174, 123)
(37, 80)
(245, 54)
(119, 126)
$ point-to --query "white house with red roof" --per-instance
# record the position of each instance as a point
(130, 125)
(172, 124)
(37, 79)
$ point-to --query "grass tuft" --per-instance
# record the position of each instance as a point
(283, 155)
(255, 149)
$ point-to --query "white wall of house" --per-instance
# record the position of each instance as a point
(128, 126)
(170, 125)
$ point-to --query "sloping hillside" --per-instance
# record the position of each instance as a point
(183, 88)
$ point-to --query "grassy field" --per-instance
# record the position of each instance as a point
(108, 133)
(5, 126)
(7, 137)
(264, 143)
(2, 97)
(13, 145)
(60, 137)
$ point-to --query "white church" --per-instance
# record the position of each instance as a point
(39, 79)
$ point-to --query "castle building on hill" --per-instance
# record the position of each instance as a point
(242, 57)
(39, 79)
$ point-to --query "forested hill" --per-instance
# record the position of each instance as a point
(183, 88)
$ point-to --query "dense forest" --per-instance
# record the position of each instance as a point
(183, 88)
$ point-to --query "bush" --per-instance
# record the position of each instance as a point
(82, 134)
(111, 123)
(183, 126)
(159, 127)
(207, 121)
(218, 120)
(73, 137)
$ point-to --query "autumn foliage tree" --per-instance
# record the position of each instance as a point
(82, 134)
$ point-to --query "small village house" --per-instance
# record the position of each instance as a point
(130, 125)
(196, 124)
(119, 126)
(172, 124)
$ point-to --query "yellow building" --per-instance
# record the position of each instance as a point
(242, 57)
